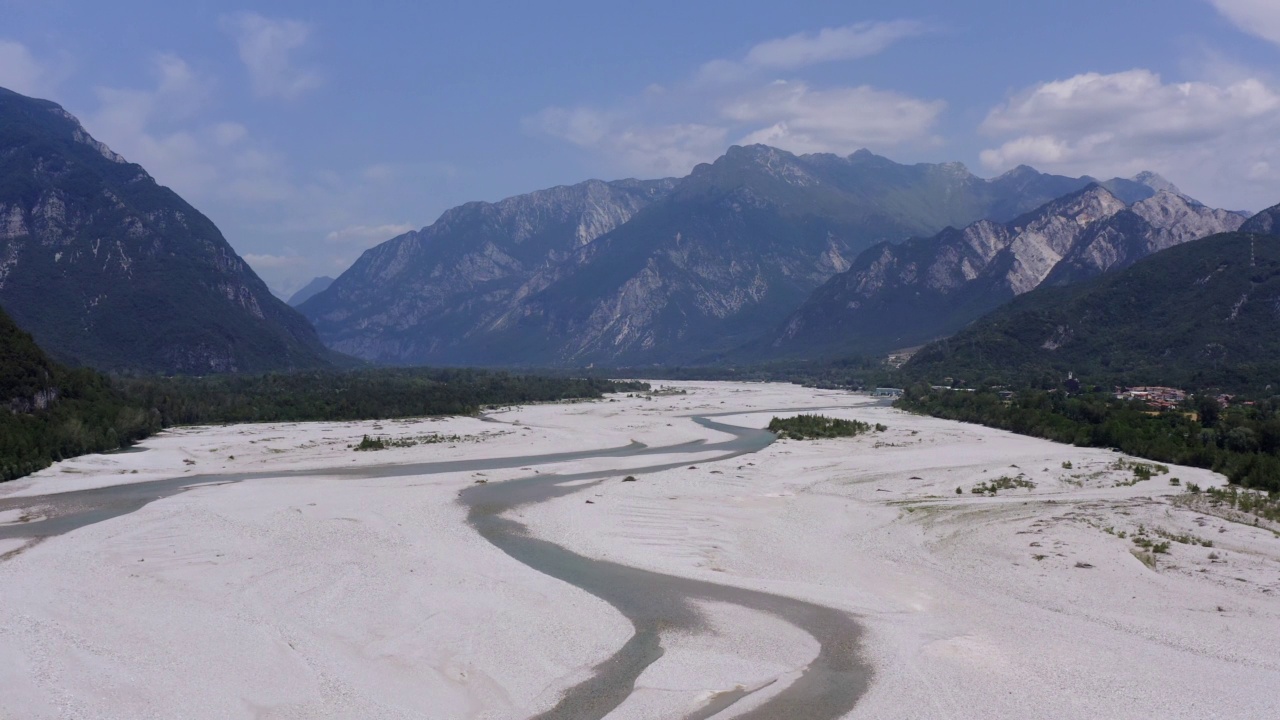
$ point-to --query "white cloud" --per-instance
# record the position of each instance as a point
(150, 126)
(649, 149)
(1133, 102)
(1256, 17)
(1214, 139)
(260, 262)
(164, 129)
(267, 47)
(666, 130)
(20, 71)
(379, 172)
(786, 114)
(367, 235)
(802, 49)
(226, 134)
(803, 120)
(842, 43)
(275, 216)
(582, 126)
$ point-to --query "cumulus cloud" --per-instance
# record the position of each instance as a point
(1210, 136)
(260, 262)
(368, 235)
(20, 71)
(267, 47)
(582, 126)
(849, 42)
(280, 219)
(165, 129)
(379, 172)
(789, 115)
(650, 149)
(1257, 17)
(804, 120)
(151, 126)
(666, 130)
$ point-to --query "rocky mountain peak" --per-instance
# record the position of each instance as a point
(897, 296)
(866, 159)
(1080, 208)
(1185, 216)
(1155, 182)
(1094, 202)
(1021, 171)
(767, 161)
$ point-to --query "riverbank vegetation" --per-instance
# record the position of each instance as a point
(80, 411)
(353, 395)
(1241, 442)
(48, 412)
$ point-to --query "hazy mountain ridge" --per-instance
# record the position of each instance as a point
(634, 272)
(105, 267)
(316, 286)
(417, 295)
(897, 296)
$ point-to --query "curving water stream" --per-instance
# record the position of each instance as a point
(826, 689)
(654, 602)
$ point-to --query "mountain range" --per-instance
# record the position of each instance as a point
(761, 254)
(107, 268)
(668, 271)
(1202, 314)
(897, 296)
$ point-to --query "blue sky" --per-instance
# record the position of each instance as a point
(310, 131)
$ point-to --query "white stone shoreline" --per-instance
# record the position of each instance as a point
(343, 597)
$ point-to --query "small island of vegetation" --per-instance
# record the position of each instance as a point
(814, 427)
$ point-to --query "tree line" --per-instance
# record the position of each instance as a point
(1241, 442)
(96, 413)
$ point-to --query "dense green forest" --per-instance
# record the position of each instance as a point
(1241, 442)
(350, 395)
(88, 415)
(55, 413)
(50, 412)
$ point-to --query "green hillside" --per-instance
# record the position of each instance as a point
(51, 412)
(1201, 315)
